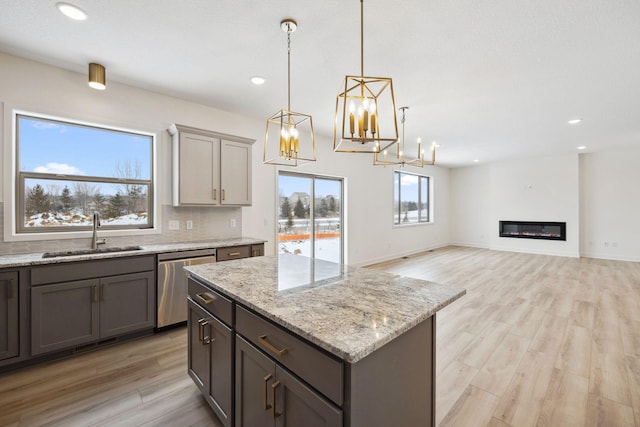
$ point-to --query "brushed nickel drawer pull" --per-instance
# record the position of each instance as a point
(223, 195)
(263, 341)
(264, 398)
(274, 414)
(234, 254)
(208, 298)
(215, 194)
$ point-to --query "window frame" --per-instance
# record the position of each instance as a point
(423, 180)
(20, 177)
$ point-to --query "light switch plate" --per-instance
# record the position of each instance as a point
(232, 222)
(189, 225)
(174, 225)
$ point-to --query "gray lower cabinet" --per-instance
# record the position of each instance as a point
(268, 395)
(9, 322)
(68, 314)
(210, 362)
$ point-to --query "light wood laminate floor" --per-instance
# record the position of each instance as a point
(537, 341)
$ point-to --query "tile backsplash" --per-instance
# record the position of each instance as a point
(208, 224)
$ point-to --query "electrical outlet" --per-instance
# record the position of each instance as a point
(174, 225)
(232, 222)
(189, 225)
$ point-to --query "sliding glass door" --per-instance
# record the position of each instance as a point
(310, 216)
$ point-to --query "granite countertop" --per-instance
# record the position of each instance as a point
(31, 259)
(345, 310)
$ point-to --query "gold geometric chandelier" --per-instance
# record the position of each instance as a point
(365, 120)
(292, 131)
(398, 155)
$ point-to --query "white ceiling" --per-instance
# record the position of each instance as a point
(489, 80)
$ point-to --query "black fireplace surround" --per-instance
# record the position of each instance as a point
(534, 230)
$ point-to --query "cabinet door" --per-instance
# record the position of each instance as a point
(257, 250)
(255, 376)
(198, 354)
(235, 173)
(298, 405)
(9, 325)
(127, 303)
(64, 315)
(198, 181)
(220, 393)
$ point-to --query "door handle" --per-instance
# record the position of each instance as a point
(95, 293)
(223, 195)
(274, 414)
(103, 292)
(266, 379)
(215, 194)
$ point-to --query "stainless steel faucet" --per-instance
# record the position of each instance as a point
(96, 224)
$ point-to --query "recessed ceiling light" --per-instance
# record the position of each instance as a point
(475, 160)
(574, 121)
(71, 11)
(581, 147)
(257, 80)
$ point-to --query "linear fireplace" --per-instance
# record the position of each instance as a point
(534, 230)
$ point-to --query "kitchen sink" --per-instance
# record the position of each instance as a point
(91, 251)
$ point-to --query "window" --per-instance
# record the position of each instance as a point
(309, 202)
(66, 171)
(411, 198)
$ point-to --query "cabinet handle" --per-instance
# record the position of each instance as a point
(277, 351)
(95, 293)
(264, 397)
(204, 339)
(208, 298)
(223, 195)
(215, 194)
(103, 292)
(274, 414)
(234, 254)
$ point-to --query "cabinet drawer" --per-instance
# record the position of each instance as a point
(320, 370)
(212, 301)
(234, 252)
(80, 270)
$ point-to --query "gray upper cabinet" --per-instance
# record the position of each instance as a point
(9, 326)
(210, 168)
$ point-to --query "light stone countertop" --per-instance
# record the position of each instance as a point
(32, 259)
(345, 310)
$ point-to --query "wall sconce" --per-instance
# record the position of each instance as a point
(97, 76)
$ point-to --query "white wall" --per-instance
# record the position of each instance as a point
(610, 204)
(40, 88)
(541, 189)
(470, 209)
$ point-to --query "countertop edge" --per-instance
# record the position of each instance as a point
(35, 258)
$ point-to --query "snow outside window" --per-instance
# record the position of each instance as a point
(68, 170)
(411, 198)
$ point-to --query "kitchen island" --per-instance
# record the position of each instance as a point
(286, 340)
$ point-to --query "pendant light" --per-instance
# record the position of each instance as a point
(398, 155)
(365, 119)
(289, 138)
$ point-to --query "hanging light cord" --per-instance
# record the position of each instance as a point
(362, 37)
(289, 67)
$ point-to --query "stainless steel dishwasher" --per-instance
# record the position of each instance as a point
(172, 283)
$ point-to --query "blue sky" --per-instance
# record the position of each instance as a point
(56, 147)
